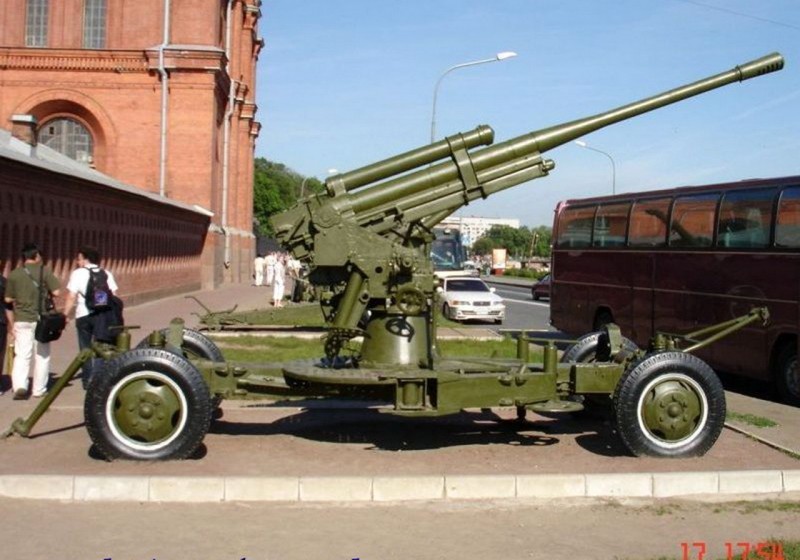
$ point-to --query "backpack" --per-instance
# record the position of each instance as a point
(98, 294)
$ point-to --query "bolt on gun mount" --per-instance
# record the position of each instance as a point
(366, 240)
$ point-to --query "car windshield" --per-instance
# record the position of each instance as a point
(466, 285)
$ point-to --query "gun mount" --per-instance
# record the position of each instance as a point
(367, 238)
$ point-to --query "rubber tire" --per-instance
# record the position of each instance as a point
(187, 379)
(446, 312)
(195, 345)
(535, 296)
(642, 374)
(584, 351)
(785, 366)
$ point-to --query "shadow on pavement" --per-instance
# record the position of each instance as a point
(388, 433)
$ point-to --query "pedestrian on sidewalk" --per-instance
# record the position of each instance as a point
(269, 262)
(92, 318)
(258, 274)
(279, 282)
(25, 290)
(4, 310)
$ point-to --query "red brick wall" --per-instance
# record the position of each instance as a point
(116, 94)
(153, 249)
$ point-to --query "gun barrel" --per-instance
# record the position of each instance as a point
(546, 139)
(483, 135)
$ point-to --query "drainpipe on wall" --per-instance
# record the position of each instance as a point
(226, 135)
(162, 174)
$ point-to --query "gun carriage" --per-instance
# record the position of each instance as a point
(366, 242)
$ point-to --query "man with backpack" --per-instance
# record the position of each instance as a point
(90, 291)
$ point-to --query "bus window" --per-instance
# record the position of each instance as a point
(611, 225)
(649, 223)
(787, 229)
(745, 219)
(693, 221)
(575, 227)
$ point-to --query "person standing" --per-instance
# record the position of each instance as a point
(278, 282)
(25, 291)
(88, 261)
(270, 264)
(4, 310)
(258, 264)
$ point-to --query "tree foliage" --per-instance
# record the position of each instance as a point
(516, 240)
(277, 188)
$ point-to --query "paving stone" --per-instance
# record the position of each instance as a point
(551, 486)
(685, 484)
(335, 489)
(397, 488)
(112, 488)
(480, 486)
(628, 485)
(750, 482)
(261, 489)
(186, 489)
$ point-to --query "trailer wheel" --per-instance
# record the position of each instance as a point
(195, 345)
(787, 376)
(591, 348)
(594, 347)
(151, 405)
(669, 404)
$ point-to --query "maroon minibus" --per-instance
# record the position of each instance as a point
(679, 259)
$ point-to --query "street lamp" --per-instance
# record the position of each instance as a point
(583, 144)
(499, 56)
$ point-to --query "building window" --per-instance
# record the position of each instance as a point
(94, 24)
(68, 137)
(36, 23)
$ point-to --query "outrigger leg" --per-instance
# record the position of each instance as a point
(22, 426)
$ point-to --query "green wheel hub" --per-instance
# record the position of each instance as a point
(672, 410)
(146, 410)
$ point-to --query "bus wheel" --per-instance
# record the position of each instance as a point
(151, 405)
(669, 404)
(787, 376)
(590, 348)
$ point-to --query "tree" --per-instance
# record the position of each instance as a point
(277, 188)
(517, 241)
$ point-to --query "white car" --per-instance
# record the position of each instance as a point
(470, 298)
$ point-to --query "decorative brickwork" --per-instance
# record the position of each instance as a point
(116, 94)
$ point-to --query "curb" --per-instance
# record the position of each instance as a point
(713, 485)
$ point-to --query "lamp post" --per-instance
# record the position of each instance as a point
(583, 144)
(499, 56)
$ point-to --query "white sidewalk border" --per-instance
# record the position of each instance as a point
(713, 484)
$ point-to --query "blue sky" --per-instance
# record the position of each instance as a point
(343, 84)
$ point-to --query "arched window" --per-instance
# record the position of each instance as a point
(69, 137)
(94, 24)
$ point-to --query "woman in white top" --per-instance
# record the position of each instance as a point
(278, 282)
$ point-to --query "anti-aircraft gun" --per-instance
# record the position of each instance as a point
(366, 243)
(366, 239)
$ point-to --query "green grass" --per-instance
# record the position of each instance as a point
(303, 315)
(751, 419)
(273, 349)
(306, 315)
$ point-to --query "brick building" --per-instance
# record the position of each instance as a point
(158, 94)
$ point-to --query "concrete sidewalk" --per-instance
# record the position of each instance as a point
(322, 450)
